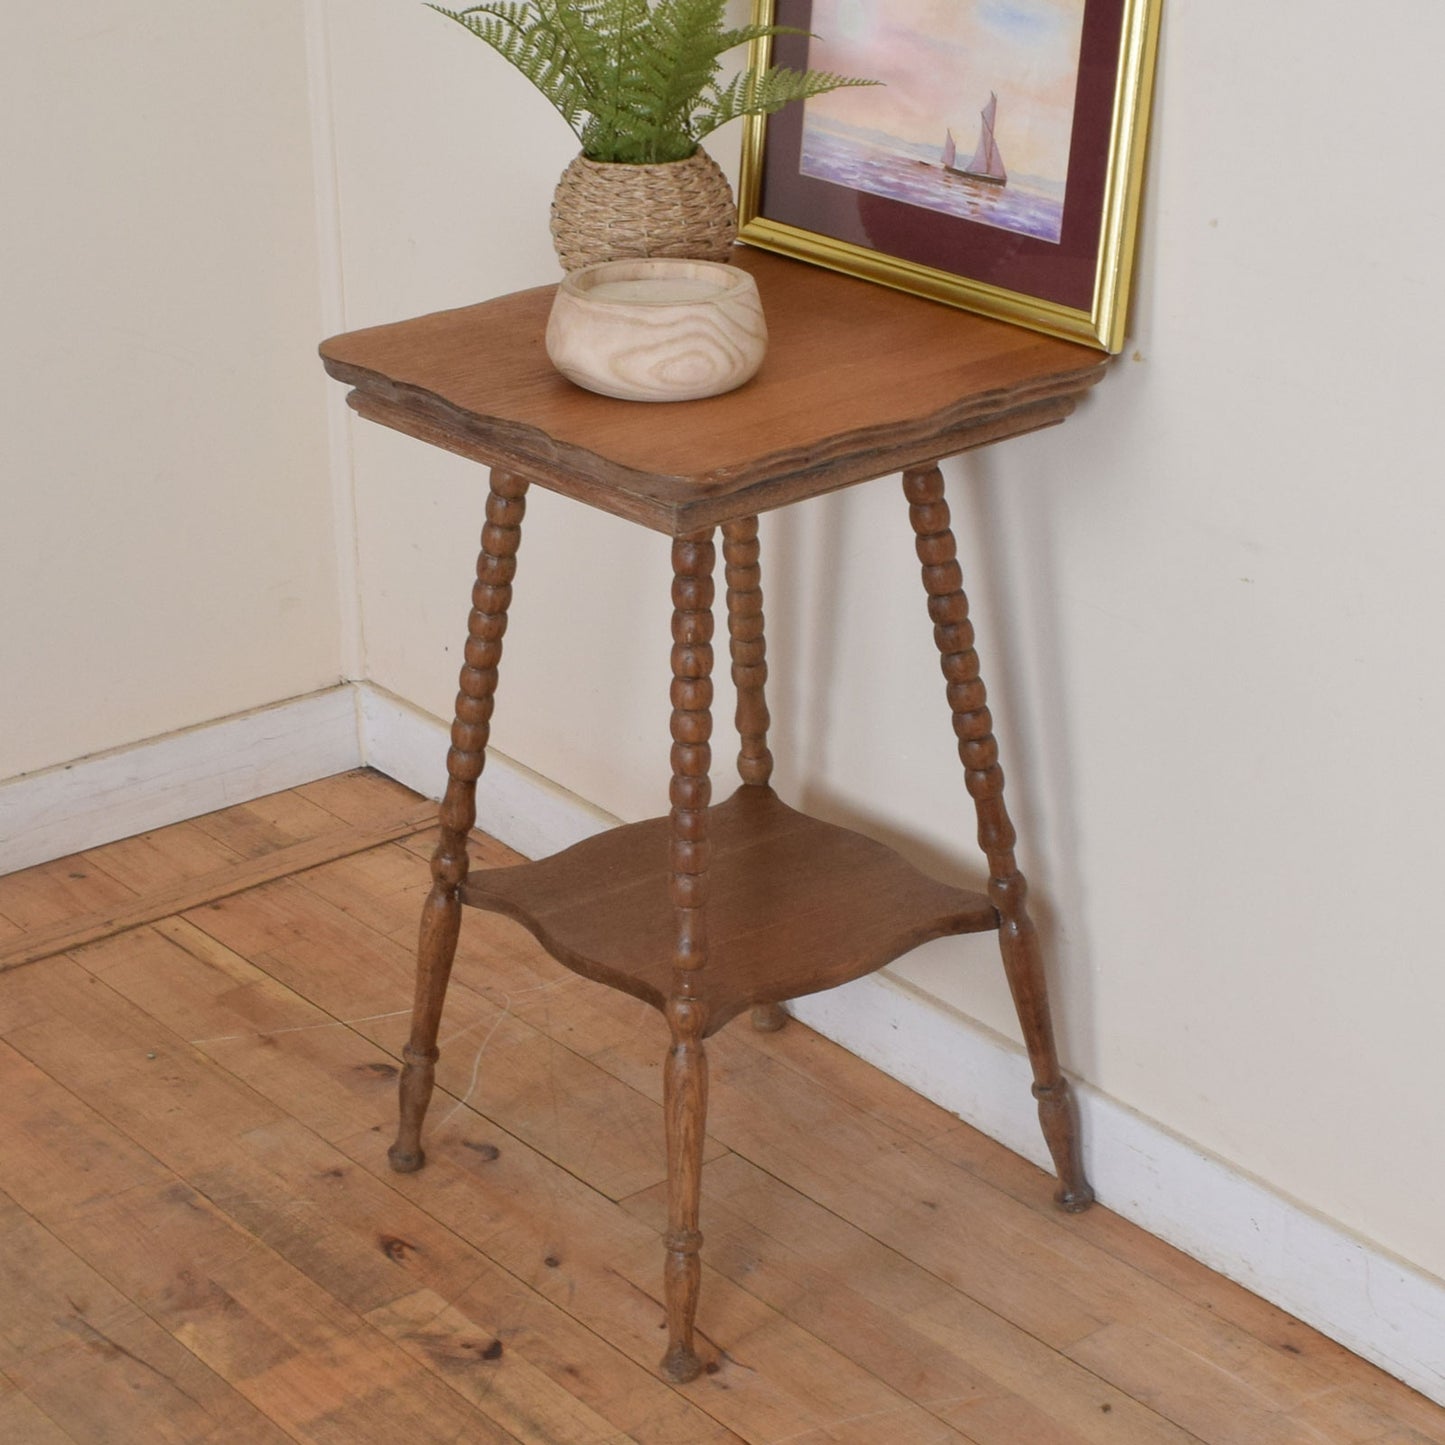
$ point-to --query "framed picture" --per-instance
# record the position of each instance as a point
(997, 167)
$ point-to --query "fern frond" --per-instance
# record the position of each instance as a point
(526, 40)
(681, 58)
(731, 39)
(749, 94)
(627, 127)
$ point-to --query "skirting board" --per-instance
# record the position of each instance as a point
(1351, 1290)
(165, 780)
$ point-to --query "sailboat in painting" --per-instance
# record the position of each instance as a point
(987, 163)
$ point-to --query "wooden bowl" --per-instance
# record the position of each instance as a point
(657, 329)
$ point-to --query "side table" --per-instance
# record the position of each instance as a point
(714, 909)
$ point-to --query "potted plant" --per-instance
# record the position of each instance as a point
(638, 83)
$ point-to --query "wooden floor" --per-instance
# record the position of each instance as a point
(200, 1239)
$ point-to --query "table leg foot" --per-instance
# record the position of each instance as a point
(418, 1075)
(680, 1366)
(768, 1018)
(1023, 967)
(1061, 1133)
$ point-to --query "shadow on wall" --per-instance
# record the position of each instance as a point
(1006, 549)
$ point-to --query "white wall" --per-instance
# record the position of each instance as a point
(166, 540)
(1208, 604)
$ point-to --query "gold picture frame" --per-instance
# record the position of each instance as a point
(1056, 256)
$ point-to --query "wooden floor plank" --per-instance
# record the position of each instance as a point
(75, 930)
(765, 1378)
(49, 894)
(577, 1114)
(23, 1421)
(94, 1363)
(606, 1267)
(151, 862)
(345, 1231)
(207, 1243)
(459, 1346)
(328, 1077)
(486, 852)
(263, 825)
(365, 799)
(1203, 1395)
(311, 1366)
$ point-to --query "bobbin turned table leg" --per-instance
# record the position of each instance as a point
(1018, 939)
(442, 912)
(748, 650)
(685, 1074)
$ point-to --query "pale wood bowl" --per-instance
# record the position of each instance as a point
(657, 329)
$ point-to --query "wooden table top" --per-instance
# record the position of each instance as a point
(859, 381)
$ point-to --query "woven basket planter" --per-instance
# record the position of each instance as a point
(603, 211)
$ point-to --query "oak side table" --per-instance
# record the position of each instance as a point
(711, 910)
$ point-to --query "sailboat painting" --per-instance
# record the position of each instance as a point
(999, 75)
(987, 162)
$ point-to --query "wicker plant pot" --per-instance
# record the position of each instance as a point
(604, 211)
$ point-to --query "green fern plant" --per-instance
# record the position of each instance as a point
(637, 80)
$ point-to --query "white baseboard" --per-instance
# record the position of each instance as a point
(168, 779)
(1350, 1289)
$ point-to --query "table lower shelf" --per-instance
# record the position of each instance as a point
(794, 906)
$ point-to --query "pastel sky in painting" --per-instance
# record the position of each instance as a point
(941, 58)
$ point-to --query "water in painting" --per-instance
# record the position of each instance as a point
(975, 114)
